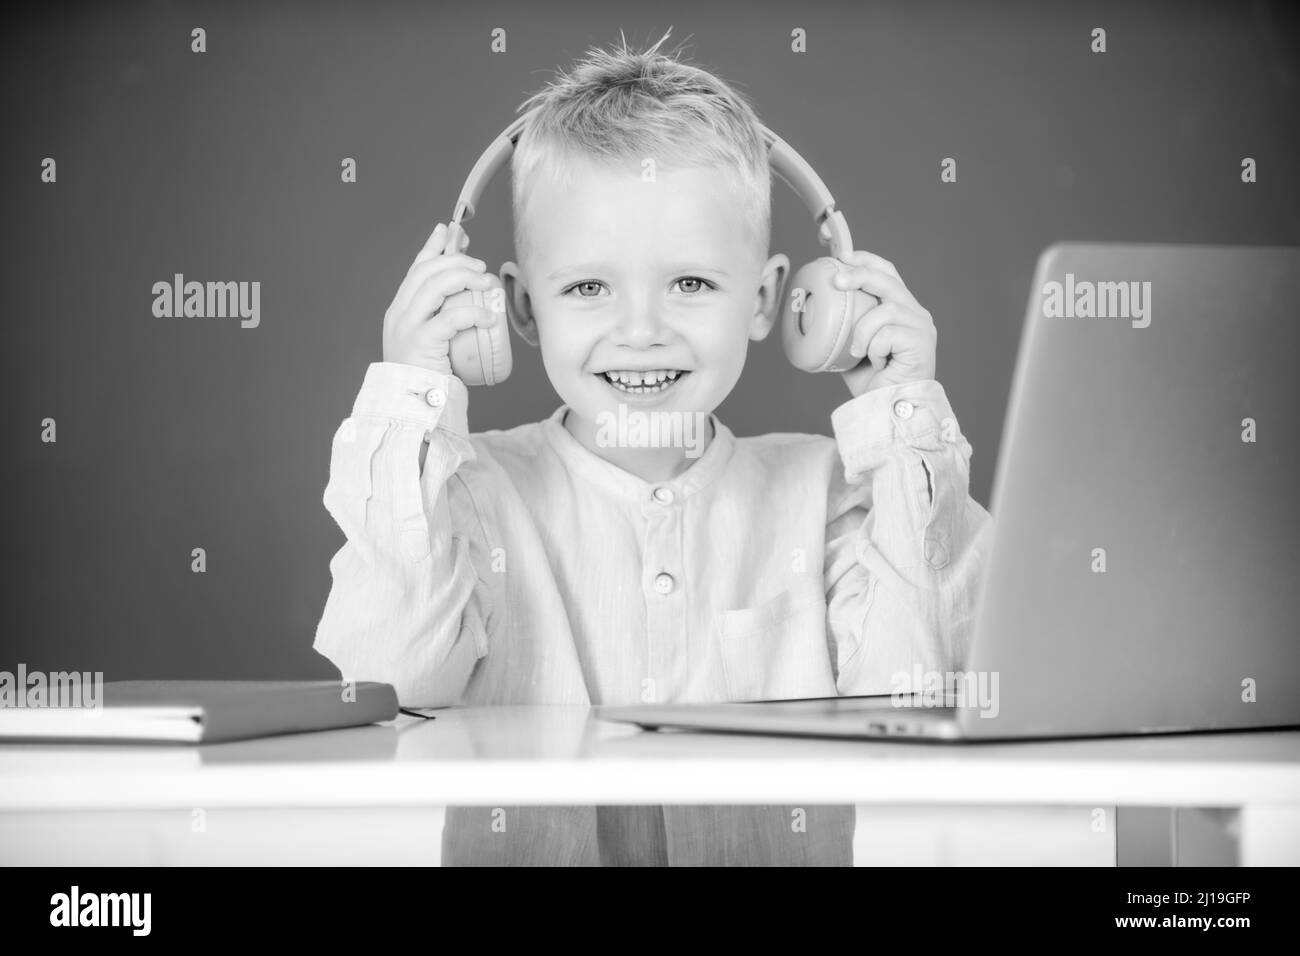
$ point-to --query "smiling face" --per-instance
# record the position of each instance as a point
(644, 294)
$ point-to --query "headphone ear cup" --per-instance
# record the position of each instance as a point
(481, 356)
(494, 347)
(818, 319)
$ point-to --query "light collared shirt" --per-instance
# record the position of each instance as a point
(521, 567)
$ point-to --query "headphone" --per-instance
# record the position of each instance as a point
(817, 319)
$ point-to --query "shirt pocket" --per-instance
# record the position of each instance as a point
(777, 650)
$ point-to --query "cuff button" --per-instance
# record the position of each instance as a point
(904, 409)
(436, 397)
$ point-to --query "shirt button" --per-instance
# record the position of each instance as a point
(903, 408)
(664, 582)
(663, 495)
(436, 397)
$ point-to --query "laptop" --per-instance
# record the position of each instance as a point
(1144, 575)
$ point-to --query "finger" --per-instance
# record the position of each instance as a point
(445, 325)
(429, 296)
(907, 350)
(444, 236)
(880, 284)
(860, 257)
(881, 346)
(433, 246)
(457, 237)
(421, 272)
(869, 324)
(437, 289)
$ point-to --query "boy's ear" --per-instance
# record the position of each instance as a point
(519, 307)
(770, 296)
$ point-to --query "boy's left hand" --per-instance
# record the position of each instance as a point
(897, 338)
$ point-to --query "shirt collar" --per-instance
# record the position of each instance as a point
(591, 467)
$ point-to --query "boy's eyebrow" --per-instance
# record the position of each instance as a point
(605, 267)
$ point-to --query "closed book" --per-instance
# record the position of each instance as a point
(203, 711)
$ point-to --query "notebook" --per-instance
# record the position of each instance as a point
(203, 711)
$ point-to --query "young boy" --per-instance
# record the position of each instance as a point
(550, 564)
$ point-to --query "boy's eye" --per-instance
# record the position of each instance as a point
(583, 285)
(695, 279)
(588, 284)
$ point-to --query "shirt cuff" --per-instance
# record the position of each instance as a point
(871, 427)
(415, 395)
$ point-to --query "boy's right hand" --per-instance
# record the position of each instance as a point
(414, 334)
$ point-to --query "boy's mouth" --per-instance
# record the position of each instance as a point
(637, 382)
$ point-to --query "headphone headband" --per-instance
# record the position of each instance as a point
(785, 161)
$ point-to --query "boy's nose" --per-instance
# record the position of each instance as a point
(641, 326)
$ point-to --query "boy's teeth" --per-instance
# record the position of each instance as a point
(654, 380)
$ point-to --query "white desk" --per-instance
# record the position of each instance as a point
(373, 794)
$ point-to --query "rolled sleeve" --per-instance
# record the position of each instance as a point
(872, 427)
(905, 440)
(416, 396)
(903, 548)
(404, 606)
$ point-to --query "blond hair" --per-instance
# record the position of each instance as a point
(619, 107)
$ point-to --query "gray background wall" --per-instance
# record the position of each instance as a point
(183, 433)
